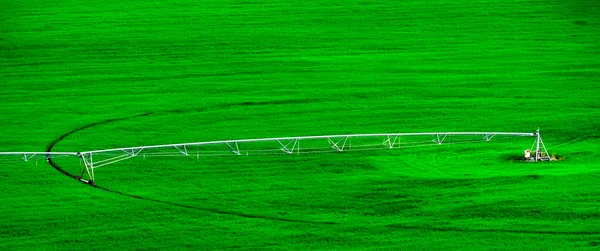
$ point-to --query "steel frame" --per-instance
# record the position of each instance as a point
(541, 153)
(233, 143)
(295, 145)
(288, 145)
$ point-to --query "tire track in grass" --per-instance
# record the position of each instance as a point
(244, 215)
(513, 231)
(211, 210)
(251, 216)
(84, 127)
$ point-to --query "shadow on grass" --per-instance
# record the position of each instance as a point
(516, 158)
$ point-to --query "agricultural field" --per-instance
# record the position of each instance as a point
(85, 75)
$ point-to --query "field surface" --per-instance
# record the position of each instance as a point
(84, 75)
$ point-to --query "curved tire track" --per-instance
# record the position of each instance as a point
(250, 216)
(62, 137)
(58, 168)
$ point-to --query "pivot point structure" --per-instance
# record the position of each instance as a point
(540, 153)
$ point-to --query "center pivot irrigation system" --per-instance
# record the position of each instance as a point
(287, 145)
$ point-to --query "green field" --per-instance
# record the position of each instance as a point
(107, 74)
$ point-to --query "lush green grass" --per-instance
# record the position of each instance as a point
(230, 69)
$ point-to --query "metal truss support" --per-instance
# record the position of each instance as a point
(112, 160)
(488, 137)
(439, 139)
(182, 149)
(28, 157)
(291, 146)
(336, 144)
(234, 147)
(133, 152)
(88, 163)
(391, 140)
